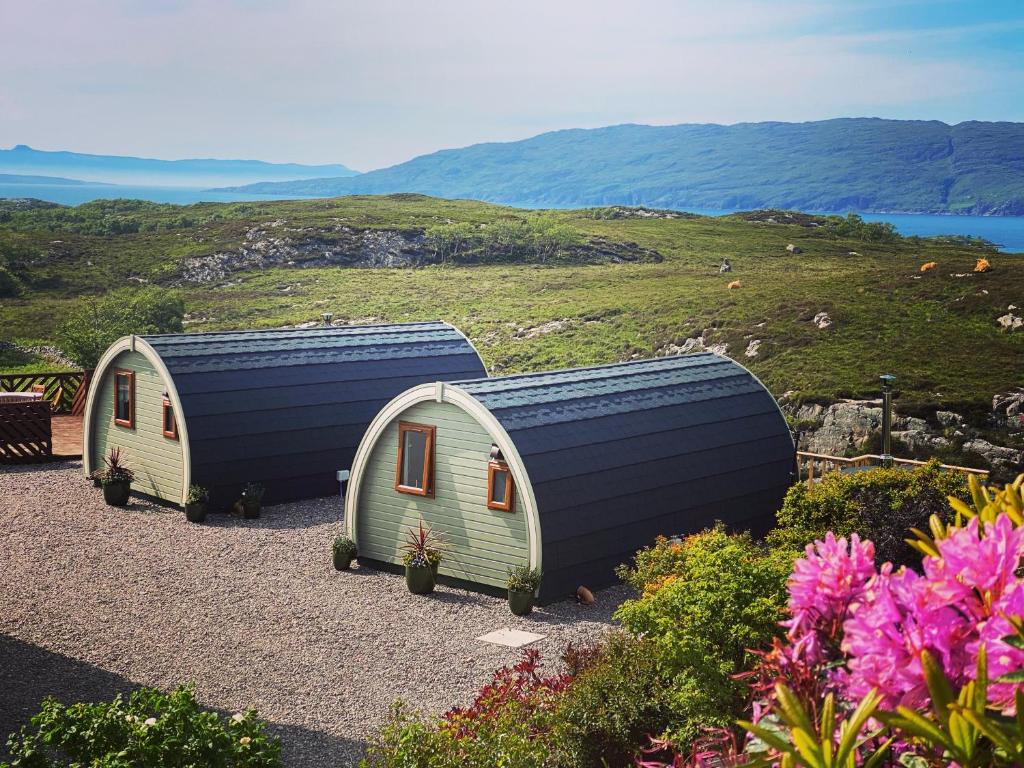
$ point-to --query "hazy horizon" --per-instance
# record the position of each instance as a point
(370, 85)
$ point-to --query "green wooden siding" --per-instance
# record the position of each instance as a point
(481, 543)
(155, 459)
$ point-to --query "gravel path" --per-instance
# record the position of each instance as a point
(94, 599)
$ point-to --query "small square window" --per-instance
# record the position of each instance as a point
(124, 398)
(170, 423)
(500, 488)
(415, 472)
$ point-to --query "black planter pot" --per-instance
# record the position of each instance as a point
(250, 509)
(196, 513)
(420, 581)
(520, 603)
(116, 494)
(343, 560)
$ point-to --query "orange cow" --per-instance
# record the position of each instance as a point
(927, 267)
(982, 265)
(734, 284)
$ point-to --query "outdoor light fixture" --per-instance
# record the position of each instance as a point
(326, 317)
(887, 379)
(495, 454)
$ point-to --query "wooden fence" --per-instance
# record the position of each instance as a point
(65, 392)
(25, 435)
(814, 466)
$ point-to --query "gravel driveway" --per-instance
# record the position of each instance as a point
(95, 599)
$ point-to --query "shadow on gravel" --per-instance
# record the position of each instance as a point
(28, 674)
(278, 518)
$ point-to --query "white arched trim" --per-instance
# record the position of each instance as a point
(140, 345)
(448, 394)
(472, 346)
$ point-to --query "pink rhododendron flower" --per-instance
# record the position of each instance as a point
(825, 582)
(895, 619)
(1003, 658)
(974, 570)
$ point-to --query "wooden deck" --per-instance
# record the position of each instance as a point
(67, 436)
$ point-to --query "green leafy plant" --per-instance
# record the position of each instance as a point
(422, 547)
(114, 470)
(252, 493)
(723, 597)
(87, 332)
(523, 578)
(197, 494)
(344, 547)
(618, 697)
(880, 505)
(146, 728)
(831, 742)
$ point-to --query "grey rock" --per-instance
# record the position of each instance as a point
(822, 320)
(999, 456)
(1010, 322)
(949, 419)
(752, 348)
(794, 248)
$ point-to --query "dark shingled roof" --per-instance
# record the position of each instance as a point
(618, 454)
(288, 407)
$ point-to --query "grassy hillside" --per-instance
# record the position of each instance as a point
(865, 164)
(936, 331)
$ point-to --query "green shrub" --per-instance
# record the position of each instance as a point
(148, 729)
(93, 327)
(724, 597)
(880, 505)
(10, 285)
(612, 705)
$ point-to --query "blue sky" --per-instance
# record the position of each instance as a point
(374, 83)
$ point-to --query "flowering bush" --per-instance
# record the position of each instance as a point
(148, 728)
(923, 668)
(422, 547)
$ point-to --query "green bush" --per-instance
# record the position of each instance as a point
(10, 285)
(724, 597)
(612, 705)
(508, 740)
(93, 327)
(149, 729)
(880, 505)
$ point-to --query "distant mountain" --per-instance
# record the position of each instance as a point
(24, 160)
(15, 179)
(864, 164)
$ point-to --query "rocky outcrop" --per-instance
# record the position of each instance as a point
(700, 343)
(845, 427)
(822, 321)
(275, 244)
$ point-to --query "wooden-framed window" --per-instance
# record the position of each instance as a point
(500, 488)
(124, 398)
(168, 420)
(415, 471)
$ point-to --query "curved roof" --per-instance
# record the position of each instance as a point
(263, 405)
(618, 454)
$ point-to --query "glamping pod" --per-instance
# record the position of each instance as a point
(285, 408)
(570, 471)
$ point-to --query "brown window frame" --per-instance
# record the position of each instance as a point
(493, 467)
(173, 432)
(428, 458)
(130, 421)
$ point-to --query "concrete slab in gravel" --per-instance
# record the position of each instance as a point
(94, 600)
(510, 638)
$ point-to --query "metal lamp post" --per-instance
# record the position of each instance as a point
(887, 380)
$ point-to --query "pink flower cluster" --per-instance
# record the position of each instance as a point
(878, 621)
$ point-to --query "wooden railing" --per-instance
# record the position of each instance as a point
(25, 435)
(64, 391)
(812, 466)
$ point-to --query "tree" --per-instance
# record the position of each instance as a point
(94, 326)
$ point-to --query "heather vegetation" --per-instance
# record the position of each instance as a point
(511, 279)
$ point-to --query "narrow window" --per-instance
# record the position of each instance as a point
(124, 398)
(169, 422)
(415, 459)
(500, 491)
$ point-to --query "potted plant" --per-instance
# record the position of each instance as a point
(344, 553)
(116, 479)
(522, 586)
(252, 496)
(195, 504)
(422, 557)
